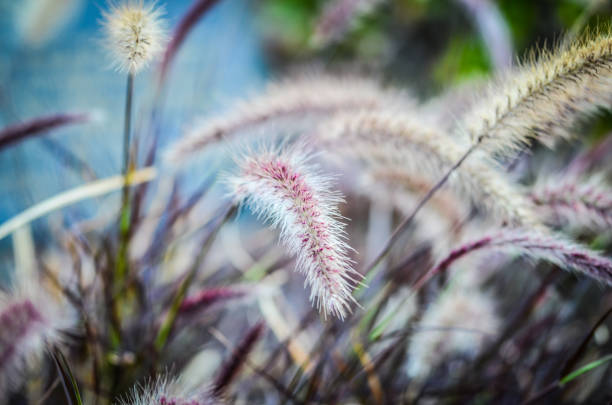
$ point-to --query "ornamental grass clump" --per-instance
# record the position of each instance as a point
(433, 262)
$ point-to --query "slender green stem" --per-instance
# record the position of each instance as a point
(170, 317)
(121, 265)
(124, 221)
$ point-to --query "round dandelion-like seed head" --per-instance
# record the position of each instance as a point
(134, 34)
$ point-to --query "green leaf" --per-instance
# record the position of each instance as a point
(584, 369)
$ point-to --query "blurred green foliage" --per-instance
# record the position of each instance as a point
(426, 45)
(435, 41)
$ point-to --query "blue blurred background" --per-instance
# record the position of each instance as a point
(52, 61)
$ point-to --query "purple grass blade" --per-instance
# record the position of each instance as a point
(18, 132)
(198, 10)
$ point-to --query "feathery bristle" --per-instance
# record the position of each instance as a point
(290, 193)
(586, 203)
(552, 248)
(31, 320)
(294, 101)
(165, 391)
(385, 141)
(543, 99)
(134, 34)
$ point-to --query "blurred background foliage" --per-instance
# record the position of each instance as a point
(426, 44)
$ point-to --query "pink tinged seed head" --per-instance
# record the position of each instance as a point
(284, 189)
(555, 249)
(20, 322)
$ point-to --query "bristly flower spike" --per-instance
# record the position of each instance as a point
(134, 34)
(31, 320)
(540, 246)
(543, 99)
(290, 193)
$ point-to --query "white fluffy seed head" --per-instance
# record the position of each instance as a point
(134, 34)
(164, 390)
(289, 192)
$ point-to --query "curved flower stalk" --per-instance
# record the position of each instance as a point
(134, 33)
(230, 369)
(459, 322)
(197, 10)
(440, 223)
(543, 99)
(394, 184)
(284, 189)
(294, 101)
(574, 203)
(384, 141)
(31, 320)
(17, 132)
(552, 248)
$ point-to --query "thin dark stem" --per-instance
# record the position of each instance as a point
(124, 220)
(408, 220)
(121, 269)
(127, 127)
(541, 394)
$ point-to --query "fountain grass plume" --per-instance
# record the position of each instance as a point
(292, 102)
(387, 142)
(544, 98)
(32, 320)
(164, 390)
(285, 189)
(134, 34)
(555, 249)
(574, 202)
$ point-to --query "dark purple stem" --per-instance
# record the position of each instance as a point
(208, 297)
(232, 367)
(17, 132)
(197, 10)
(451, 258)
